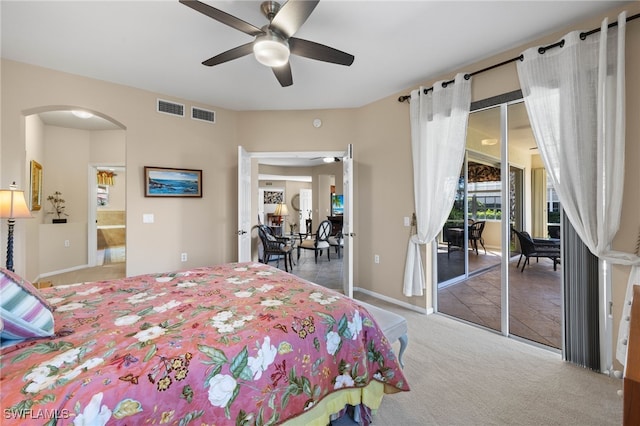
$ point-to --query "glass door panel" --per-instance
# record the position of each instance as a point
(475, 273)
(469, 284)
(535, 292)
(451, 241)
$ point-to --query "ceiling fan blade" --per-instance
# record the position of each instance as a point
(223, 17)
(320, 52)
(235, 53)
(292, 15)
(283, 74)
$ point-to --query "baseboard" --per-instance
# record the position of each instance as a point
(61, 271)
(394, 301)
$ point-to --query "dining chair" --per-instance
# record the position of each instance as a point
(337, 241)
(319, 242)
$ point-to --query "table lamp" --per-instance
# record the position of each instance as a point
(281, 210)
(12, 206)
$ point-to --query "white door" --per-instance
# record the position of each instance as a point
(347, 221)
(244, 205)
(306, 208)
(92, 228)
(261, 216)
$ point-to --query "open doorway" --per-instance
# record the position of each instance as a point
(300, 163)
(110, 215)
(66, 252)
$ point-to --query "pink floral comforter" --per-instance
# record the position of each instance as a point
(239, 344)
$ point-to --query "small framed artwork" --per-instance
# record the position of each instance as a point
(36, 186)
(273, 197)
(169, 182)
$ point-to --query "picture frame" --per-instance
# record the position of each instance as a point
(274, 197)
(36, 186)
(172, 182)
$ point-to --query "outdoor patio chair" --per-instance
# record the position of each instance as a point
(475, 235)
(536, 248)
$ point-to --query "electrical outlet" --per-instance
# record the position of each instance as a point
(66, 243)
(183, 257)
(376, 258)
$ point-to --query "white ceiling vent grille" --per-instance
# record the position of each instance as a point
(203, 115)
(170, 108)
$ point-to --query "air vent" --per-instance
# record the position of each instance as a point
(203, 115)
(170, 108)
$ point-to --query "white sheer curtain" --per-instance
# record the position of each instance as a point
(574, 95)
(438, 134)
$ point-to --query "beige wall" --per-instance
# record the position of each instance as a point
(34, 148)
(205, 228)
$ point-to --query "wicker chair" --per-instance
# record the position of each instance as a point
(537, 248)
(275, 246)
(475, 235)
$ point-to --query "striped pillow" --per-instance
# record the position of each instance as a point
(24, 312)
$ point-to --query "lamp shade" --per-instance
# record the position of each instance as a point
(281, 210)
(271, 50)
(13, 204)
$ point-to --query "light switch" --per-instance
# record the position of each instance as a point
(147, 218)
(407, 221)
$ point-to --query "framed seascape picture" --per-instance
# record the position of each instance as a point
(168, 182)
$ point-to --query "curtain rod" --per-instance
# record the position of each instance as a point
(541, 50)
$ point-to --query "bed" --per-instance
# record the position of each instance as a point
(238, 343)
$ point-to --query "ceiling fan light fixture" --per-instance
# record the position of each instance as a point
(82, 114)
(271, 50)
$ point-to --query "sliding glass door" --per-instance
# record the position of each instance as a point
(502, 186)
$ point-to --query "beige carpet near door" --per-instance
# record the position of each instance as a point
(463, 375)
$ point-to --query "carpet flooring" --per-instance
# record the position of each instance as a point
(463, 375)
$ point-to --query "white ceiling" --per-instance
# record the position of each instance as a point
(158, 45)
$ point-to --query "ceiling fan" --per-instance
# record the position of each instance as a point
(274, 42)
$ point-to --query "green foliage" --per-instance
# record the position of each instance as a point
(553, 217)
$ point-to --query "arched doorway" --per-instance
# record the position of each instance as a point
(69, 142)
